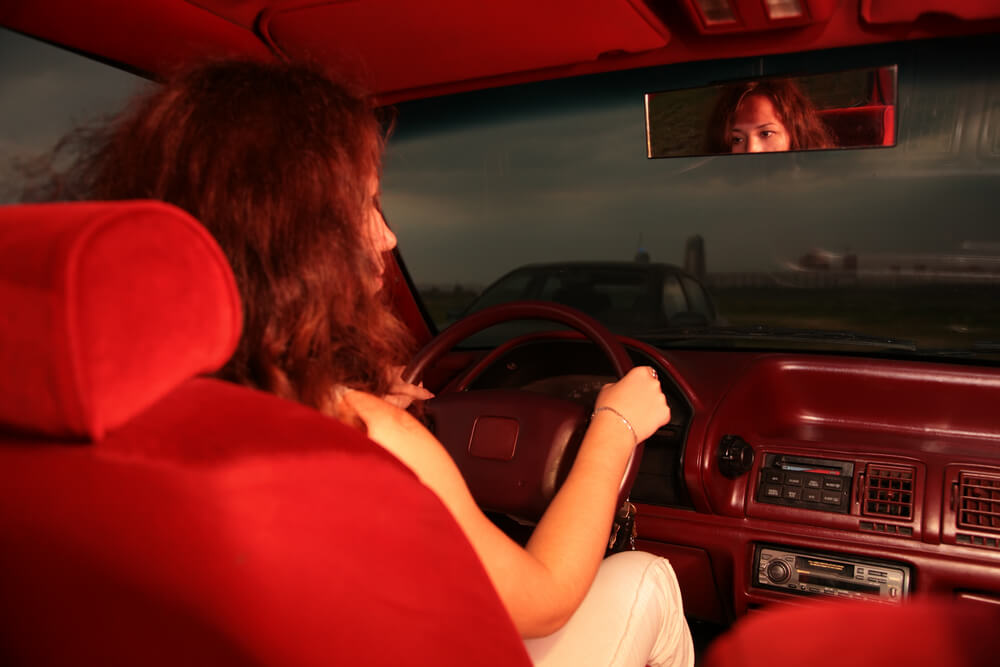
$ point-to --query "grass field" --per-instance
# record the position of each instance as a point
(932, 316)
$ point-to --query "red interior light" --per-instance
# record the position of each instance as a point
(716, 12)
(783, 9)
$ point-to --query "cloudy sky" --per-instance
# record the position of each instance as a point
(45, 91)
(566, 177)
(573, 183)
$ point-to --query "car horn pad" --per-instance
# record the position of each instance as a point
(514, 448)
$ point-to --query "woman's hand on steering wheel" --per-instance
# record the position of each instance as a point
(403, 393)
(637, 398)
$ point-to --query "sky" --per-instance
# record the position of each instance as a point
(479, 200)
(45, 92)
(473, 200)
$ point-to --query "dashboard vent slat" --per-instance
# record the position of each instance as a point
(979, 502)
(889, 491)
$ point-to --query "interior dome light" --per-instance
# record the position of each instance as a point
(716, 12)
(783, 9)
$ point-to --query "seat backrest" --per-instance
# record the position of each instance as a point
(149, 516)
(833, 633)
(872, 125)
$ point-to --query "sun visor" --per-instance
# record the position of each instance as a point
(387, 42)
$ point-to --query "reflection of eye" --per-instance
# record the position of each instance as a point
(734, 140)
(766, 134)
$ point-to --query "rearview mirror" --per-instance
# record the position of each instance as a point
(849, 109)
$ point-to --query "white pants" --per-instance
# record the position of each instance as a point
(632, 616)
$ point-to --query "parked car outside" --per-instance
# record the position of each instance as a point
(628, 297)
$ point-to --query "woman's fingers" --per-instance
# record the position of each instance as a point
(639, 398)
(402, 394)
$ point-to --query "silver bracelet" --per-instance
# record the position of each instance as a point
(635, 438)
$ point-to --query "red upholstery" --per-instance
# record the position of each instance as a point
(873, 125)
(823, 634)
(211, 524)
(105, 314)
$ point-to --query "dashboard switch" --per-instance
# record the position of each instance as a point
(735, 456)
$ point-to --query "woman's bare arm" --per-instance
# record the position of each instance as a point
(541, 585)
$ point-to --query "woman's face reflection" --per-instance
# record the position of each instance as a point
(756, 127)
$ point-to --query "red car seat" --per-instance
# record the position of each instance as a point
(152, 517)
(928, 631)
(873, 125)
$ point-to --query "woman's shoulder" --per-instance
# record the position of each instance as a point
(387, 424)
(369, 406)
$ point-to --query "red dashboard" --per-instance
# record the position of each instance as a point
(903, 458)
(853, 463)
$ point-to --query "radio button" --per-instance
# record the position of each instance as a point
(835, 484)
(772, 491)
(811, 496)
(831, 498)
(778, 572)
(814, 482)
(773, 476)
(793, 479)
(792, 493)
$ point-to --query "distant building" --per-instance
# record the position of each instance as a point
(694, 257)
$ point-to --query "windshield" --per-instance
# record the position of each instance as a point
(896, 244)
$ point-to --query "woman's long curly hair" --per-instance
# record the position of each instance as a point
(795, 110)
(276, 160)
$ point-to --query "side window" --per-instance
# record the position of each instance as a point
(45, 92)
(553, 284)
(577, 291)
(512, 288)
(673, 297)
(697, 298)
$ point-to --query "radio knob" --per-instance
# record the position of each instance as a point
(778, 572)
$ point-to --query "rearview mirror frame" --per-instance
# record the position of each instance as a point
(854, 108)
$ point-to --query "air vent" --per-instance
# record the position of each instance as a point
(886, 528)
(889, 492)
(979, 502)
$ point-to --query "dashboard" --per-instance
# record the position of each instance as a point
(785, 476)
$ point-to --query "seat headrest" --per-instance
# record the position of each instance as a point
(106, 307)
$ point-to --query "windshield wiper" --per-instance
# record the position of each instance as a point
(778, 334)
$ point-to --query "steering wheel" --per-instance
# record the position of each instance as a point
(514, 448)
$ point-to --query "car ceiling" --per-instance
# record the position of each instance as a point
(405, 49)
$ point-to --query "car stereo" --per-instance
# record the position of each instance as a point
(808, 483)
(809, 573)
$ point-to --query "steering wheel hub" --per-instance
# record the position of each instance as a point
(515, 447)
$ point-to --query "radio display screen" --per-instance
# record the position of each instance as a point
(842, 584)
(816, 566)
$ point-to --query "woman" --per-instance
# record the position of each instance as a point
(281, 164)
(765, 116)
